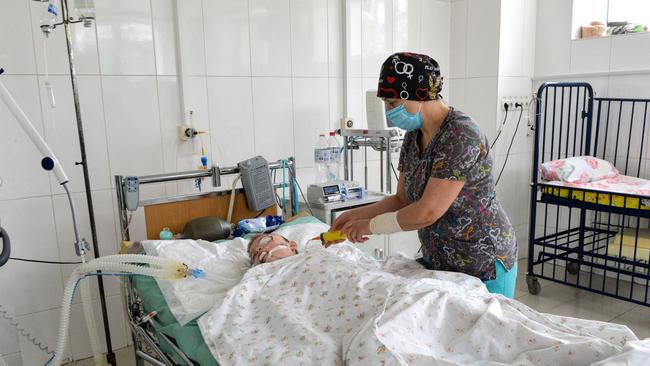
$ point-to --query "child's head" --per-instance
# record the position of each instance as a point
(270, 247)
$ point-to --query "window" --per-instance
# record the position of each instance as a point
(597, 18)
(632, 11)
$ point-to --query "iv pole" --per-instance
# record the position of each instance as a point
(66, 21)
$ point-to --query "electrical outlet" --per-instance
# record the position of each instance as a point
(511, 102)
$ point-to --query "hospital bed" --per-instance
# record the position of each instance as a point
(161, 340)
(454, 309)
(594, 235)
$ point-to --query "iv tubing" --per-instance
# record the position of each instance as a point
(48, 83)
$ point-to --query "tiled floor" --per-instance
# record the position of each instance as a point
(554, 298)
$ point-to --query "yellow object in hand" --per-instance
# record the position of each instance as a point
(331, 236)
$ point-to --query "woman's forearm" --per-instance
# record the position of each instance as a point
(414, 217)
(438, 196)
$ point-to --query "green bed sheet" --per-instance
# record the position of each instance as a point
(188, 337)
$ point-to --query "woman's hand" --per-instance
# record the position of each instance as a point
(356, 230)
(346, 217)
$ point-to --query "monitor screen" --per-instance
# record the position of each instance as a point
(329, 190)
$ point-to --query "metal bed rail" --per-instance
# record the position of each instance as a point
(589, 244)
(144, 343)
(603, 202)
(214, 173)
(620, 133)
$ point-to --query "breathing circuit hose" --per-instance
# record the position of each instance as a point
(89, 316)
(6, 247)
(114, 264)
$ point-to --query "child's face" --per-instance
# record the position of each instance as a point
(270, 247)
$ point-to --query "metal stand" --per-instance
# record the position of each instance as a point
(388, 141)
(66, 21)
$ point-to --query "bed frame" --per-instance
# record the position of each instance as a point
(573, 231)
(174, 212)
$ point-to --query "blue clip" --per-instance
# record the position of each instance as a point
(197, 273)
(53, 10)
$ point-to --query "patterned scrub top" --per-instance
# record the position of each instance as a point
(475, 231)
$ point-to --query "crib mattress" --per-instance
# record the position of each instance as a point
(607, 192)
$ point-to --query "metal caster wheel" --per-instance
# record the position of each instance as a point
(573, 268)
(534, 287)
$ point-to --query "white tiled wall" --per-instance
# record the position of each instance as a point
(380, 27)
(262, 77)
(616, 66)
(492, 56)
(553, 37)
(474, 59)
(559, 56)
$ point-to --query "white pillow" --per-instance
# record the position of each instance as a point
(578, 169)
(225, 263)
(301, 233)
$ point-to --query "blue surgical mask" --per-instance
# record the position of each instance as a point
(400, 117)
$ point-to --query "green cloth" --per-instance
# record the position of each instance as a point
(188, 337)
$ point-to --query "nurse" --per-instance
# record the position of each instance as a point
(446, 188)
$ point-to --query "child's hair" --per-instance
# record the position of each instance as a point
(250, 243)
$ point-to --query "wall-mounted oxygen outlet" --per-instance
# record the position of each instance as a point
(186, 132)
(348, 123)
(511, 102)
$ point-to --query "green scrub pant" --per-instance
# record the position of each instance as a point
(505, 282)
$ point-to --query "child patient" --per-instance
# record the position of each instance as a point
(267, 248)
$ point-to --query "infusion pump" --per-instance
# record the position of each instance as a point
(335, 191)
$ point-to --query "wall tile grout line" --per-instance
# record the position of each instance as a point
(293, 124)
(207, 91)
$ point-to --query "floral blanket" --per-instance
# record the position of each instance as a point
(336, 306)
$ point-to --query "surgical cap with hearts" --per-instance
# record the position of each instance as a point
(409, 76)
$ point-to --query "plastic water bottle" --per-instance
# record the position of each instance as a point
(334, 166)
(321, 158)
